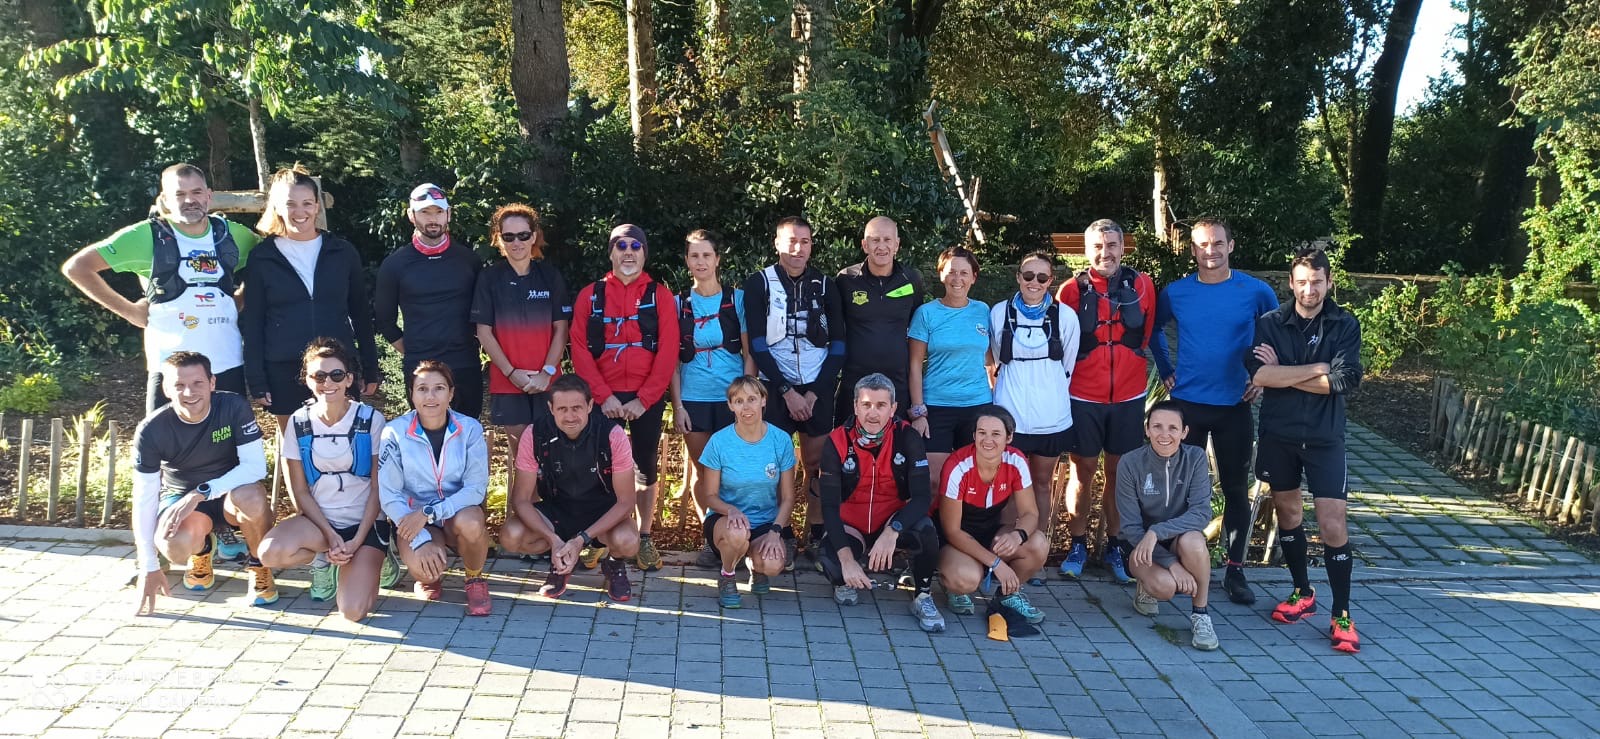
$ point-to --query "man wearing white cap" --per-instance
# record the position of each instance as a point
(431, 283)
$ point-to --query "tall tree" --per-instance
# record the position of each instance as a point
(541, 81)
(642, 85)
(811, 28)
(1369, 163)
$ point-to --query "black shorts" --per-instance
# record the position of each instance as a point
(288, 390)
(821, 421)
(708, 417)
(468, 397)
(1113, 428)
(707, 530)
(517, 409)
(644, 438)
(212, 507)
(1045, 445)
(983, 534)
(570, 518)
(950, 428)
(1284, 465)
(378, 537)
(230, 380)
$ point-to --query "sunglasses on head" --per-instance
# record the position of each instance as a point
(516, 236)
(628, 245)
(1042, 278)
(431, 194)
(337, 375)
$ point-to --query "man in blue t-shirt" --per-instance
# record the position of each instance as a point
(1216, 310)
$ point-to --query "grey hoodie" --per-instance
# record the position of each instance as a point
(1169, 496)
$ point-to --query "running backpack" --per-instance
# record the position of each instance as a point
(1123, 292)
(166, 283)
(1052, 315)
(359, 436)
(850, 467)
(645, 313)
(727, 314)
(562, 461)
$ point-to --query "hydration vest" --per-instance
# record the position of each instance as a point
(852, 458)
(1008, 330)
(647, 314)
(813, 301)
(574, 469)
(727, 314)
(359, 436)
(1123, 292)
(166, 283)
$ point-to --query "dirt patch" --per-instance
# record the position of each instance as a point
(1396, 405)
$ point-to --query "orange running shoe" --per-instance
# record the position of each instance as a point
(264, 591)
(200, 575)
(1298, 606)
(1343, 633)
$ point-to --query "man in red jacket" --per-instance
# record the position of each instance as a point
(1116, 308)
(625, 345)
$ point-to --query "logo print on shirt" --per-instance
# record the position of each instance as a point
(223, 434)
(983, 330)
(205, 298)
(538, 294)
(203, 262)
(771, 470)
(859, 297)
(1149, 484)
(189, 321)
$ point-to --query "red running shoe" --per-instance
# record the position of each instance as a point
(554, 585)
(478, 603)
(429, 590)
(1343, 633)
(1298, 606)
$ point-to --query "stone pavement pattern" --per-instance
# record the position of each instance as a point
(1469, 649)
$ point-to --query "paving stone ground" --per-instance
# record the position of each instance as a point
(1455, 642)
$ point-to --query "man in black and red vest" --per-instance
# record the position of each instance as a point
(876, 499)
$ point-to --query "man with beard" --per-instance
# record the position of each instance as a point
(431, 284)
(880, 294)
(188, 263)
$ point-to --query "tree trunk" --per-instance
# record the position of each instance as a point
(718, 35)
(217, 163)
(1369, 168)
(541, 81)
(1501, 194)
(909, 39)
(1160, 193)
(258, 144)
(811, 28)
(641, 73)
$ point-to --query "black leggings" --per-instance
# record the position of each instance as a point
(1231, 430)
(921, 540)
(644, 437)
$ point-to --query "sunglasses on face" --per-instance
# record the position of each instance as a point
(509, 236)
(337, 375)
(628, 245)
(1042, 278)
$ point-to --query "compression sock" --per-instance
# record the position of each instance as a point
(473, 573)
(1339, 565)
(1293, 542)
(1198, 610)
(253, 561)
(205, 548)
(817, 530)
(726, 573)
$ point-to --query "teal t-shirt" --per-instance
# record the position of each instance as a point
(957, 340)
(750, 471)
(705, 378)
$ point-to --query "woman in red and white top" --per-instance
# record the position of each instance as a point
(980, 547)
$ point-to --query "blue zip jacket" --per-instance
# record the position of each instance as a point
(410, 478)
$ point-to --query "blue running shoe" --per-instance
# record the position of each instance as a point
(1119, 568)
(1072, 566)
(229, 546)
(1019, 603)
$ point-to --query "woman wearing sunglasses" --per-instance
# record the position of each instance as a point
(331, 454)
(521, 310)
(1035, 341)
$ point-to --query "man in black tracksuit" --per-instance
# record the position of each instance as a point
(1307, 355)
(880, 295)
(431, 282)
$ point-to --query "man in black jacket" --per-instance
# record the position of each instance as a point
(431, 282)
(1307, 356)
(879, 295)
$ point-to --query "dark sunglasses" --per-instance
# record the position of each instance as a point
(336, 375)
(627, 245)
(516, 235)
(1042, 278)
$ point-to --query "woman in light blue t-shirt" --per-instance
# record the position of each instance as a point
(952, 335)
(747, 491)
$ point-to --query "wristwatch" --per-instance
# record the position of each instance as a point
(784, 388)
(918, 411)
(587, 539)
(894, 523)
(550, 370)
(427, 510)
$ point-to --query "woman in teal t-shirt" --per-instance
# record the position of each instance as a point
(747, 491)
(952, 335)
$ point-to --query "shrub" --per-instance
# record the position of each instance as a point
(30, 394)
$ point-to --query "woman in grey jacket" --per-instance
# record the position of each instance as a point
(1164, 500)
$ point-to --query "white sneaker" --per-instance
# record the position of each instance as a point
(1145, 603)
(845, 595)
(927, 613)
(1205, 635)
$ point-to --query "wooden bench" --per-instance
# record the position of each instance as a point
(1073, 243)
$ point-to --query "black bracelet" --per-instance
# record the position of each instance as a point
(1023, 534)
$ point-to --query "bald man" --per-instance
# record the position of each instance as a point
(880, 294)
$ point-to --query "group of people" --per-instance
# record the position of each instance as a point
(931, 428)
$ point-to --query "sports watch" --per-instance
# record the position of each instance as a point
(550, 370)
(427, 510)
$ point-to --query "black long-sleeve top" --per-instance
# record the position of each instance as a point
(435, 295)
(279, 319)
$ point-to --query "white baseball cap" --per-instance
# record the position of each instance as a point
(427, 194)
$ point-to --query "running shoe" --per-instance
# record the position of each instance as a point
(1343, 633)
(200, 575)
(1036, 581)
(391, 570)
(229, 547)
(728, 591)
(554, 586)
(1018, 602)
(478, 602)
(707, 558)
(845, 595)
(262, 587)
(759, 584)
(589, 557)
(618, 589)
(428, 590)
(927, 613)
(789, 553)
(648, 559)
(1072, 566)
(1114, 562)
(960, 604)
(324, 579)
(1203, 635)
(1237, 587)
(1298, 606)
(1144, 603)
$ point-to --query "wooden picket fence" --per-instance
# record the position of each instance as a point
(1554, 472)
(90, 443)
